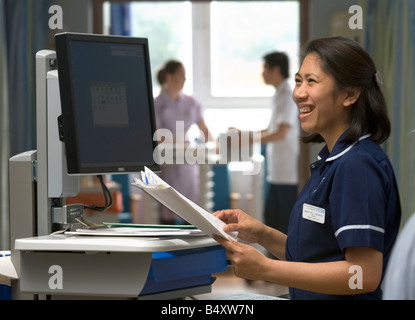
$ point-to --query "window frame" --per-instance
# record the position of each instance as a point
(202, 66)
(201, 58)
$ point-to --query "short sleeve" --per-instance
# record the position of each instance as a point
(198, 111)
(358, 203)
(158, 111)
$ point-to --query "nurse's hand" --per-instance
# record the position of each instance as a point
(248, 228)
(248, 262)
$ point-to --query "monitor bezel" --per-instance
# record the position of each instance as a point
(67, 122)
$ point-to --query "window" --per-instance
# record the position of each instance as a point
(221, 44)
(241, 33)
(168, 27)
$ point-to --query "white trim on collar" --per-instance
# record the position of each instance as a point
(346, 150)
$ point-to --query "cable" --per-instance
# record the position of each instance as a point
(59, 232)
(107, 196)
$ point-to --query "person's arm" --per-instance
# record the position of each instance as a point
(206, 133)
(279, 134)
(332, 277)
(251, 230)
(268, 136)
(328, 278)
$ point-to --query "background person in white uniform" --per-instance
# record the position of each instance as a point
(282, 143)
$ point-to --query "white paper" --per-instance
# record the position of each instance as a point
(137, 232)
(7, 271)
(182, 206)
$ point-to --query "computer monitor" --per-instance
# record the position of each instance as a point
(107, 121)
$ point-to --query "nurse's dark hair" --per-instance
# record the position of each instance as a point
(171, 67)
(352, 66)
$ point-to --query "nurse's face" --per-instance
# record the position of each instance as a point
(321, 104)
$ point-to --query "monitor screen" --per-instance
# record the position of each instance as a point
(107, 120)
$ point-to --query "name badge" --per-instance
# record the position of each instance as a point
(314, 213)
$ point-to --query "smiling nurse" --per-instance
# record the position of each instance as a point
(347, 216)
(323, 108)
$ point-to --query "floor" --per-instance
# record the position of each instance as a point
(227, 284)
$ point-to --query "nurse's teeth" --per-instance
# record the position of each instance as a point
(305, 110)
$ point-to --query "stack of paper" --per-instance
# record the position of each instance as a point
(135, 231)
(7, 269)
(179, 204)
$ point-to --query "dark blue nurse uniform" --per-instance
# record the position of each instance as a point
(350, 200)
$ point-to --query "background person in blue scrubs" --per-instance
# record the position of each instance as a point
(345, 221)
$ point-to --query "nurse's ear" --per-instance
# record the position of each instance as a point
(352, 94)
